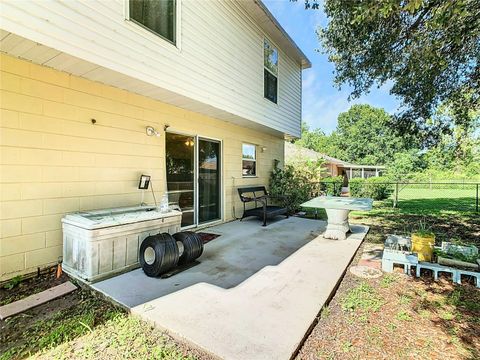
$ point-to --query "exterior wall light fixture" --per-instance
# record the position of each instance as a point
(151, 131)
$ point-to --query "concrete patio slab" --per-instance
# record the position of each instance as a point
(255, 293)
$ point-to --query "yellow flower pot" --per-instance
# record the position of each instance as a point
(422, 244)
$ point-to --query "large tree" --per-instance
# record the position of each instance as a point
(317, 140)
(364, 135)
(429, 49)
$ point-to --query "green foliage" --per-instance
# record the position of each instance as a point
(427, 49)
(332, 185)
(404, 165)
(298, 180)
(404, 316)
(365, 135)
(356, 187)
(387, 280)
(376, 188)
(13, 282)
(363, 297)
(317, 140)
(423, 229)
(287, 182)
(457, 255)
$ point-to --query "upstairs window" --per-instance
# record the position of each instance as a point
(249, 160)
(270, 71)
(157, 16)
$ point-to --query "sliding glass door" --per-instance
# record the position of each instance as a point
(208, 180)
(194, 177)
(180, 163)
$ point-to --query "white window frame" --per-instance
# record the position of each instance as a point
(152, 35)
(265, 68)
(248, 159)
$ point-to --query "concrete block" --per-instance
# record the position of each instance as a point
(58, 110)
(12, 227)
(10, 192)
(21, 138)
(53, 238)
(50, 76)
(40, 123)
(41, 223)
(8, 118)
(20, 244)
(10, 82)
(19, 209)
(13, 65)
(461, 273)
(21, 103)
(60, 205)
(11, 264)
(37, 190)
(42, 257)
(42, 90)
(10, 156)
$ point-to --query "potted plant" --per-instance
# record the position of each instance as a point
(423, 241)
(458, 254)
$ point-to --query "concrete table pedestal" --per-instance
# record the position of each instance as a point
(337, 227)
(337, 209)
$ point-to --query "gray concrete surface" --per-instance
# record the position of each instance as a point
(255, 293)
(243, 249)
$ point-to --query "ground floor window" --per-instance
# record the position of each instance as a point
(249, 160)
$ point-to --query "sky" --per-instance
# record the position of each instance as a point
(322, 101)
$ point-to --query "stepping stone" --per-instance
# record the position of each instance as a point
(31, 301)
(374, 264)
(365, 272)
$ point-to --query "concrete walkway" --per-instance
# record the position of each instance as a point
(255, 293)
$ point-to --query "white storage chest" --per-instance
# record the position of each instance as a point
(99, 244)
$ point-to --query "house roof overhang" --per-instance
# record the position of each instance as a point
(270, 25)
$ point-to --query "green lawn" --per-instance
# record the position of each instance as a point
(426, 200)
(447, 224)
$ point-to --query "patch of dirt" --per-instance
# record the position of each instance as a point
(79, 325)
(416, 318)
(32, 285)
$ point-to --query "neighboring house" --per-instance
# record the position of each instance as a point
(334, 167)
(84, 82)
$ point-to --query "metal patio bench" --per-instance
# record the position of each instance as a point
(262, 210)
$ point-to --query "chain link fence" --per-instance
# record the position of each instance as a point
(413, 196)
(455, 196)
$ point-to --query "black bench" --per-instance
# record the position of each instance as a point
(259, 195)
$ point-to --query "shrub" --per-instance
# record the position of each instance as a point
(376, 188)
(332, 185)
(297, 181)
(356, 187)
(286, 182)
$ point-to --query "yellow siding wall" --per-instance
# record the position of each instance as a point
(54, 160)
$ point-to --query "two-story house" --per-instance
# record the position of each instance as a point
(199, 95)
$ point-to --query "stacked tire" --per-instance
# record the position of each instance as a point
(191, 245)
(158, 254)
(161, 253)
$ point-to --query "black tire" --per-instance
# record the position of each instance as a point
(192, 246)
(165, 252)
